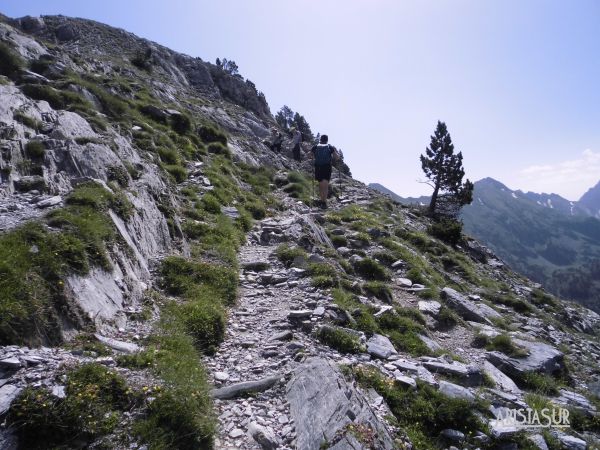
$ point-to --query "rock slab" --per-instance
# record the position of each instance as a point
(323, 404)
(468, 310)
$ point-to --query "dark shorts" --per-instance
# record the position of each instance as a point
(323, 172)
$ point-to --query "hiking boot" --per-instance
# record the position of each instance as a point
(323, 205)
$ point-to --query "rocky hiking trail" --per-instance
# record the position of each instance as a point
(278, 386)
(269, 353)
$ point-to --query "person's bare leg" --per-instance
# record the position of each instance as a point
(323, 188)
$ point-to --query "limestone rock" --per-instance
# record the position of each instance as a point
(501, 381)
(380, 347)
(263, 436)
(246, 387)
(323, 404)
(430, 307)
(469, 375)
(455, 391)
(542, 358)
(8, 393)
(477, 312)
(125, 347)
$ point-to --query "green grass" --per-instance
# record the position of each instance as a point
(211, 133)
(34, 262)
(403, 332)
(540, 298)
(447, 318)
(185, 277)
(287, 254)
(508, 299)
(26, 120)
(539, 383)
(502, 343)
(181, 415)
(219, 149)
(299, 187)
(10, 62)
(339, 339)
(96, 398)
(35, 149)
(56, 98)
(379, 290)
(339, 241)
(370, 269)
(423, 413)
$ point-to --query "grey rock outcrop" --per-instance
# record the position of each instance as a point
(541, 358)
(323, 405)
(477, 312)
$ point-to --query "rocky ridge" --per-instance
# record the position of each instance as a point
(343, 319)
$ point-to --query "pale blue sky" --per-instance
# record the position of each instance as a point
(516, 81)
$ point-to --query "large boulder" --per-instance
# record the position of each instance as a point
(468, 310)
(541, 358)
(324, 406)
(380, 347)
(501, 381)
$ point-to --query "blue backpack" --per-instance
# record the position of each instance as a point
(323, 155)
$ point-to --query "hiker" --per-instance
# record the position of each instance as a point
(323, 154)
(296, 141)
(277, 140)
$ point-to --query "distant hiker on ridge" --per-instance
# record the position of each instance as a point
(296, 140)
(323, 154)
(276, 140)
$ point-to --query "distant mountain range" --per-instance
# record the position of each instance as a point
(544, 236)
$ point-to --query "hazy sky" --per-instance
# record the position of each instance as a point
(516, 81)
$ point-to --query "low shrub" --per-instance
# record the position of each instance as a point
(118, 174)
(339, 241)
(26, 120)
(169, 155)
(181, 123)
(338, 339)
(423, 412)
(502, 343)
(204, 320)
(10, 63)
(219, 149)
(257, 209)
(379, 290)
(181, 414)
(539, 383)
(95, 399)
(324, 281)
(57, 99)
(539, 298)
(403, 332)
(179, 173)
(370, 269)
(446, 230)
(446, 318)
(35, 149)
(287, 254)
(209, 133)
(184, 277)
(210, 203)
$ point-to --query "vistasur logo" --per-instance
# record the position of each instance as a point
(528, 418)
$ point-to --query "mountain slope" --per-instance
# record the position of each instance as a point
(165, 282)
(590, 201)
(547, 244)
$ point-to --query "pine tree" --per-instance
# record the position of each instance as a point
(445, 171)
(304, 128)
(285, 117)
